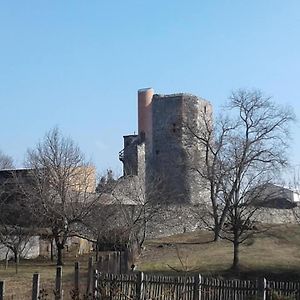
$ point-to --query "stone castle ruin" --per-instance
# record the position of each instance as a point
(163, 147)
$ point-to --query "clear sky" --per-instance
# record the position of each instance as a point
(78, 64)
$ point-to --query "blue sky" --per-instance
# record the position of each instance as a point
(78, 64)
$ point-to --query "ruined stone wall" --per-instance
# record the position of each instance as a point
(133, 156)
(129, 155)
(186, 218)
(197, 117)
(278, 216)
(141, 167)
(174, 154)
(175, 219)
(168, 155)
(175, 151)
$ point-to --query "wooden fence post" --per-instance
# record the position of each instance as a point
(76, 280)
(58, 283)
(100, 263)
(89, 276)
(126, 259)
(122, 259)
(262, 289)
(235, 290)
(2, 289)
(115, 263)
(120, 262)
(197, 287)
(6, 259)
(108, 263)
(140, 286)
(95, 284)
(35, 286)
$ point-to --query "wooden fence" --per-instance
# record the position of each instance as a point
(140, 286)
(143, 286)
(118, 262)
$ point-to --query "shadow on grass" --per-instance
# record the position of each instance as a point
(269, 274)
(278, 274)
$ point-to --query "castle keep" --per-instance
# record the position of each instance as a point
(165, 146)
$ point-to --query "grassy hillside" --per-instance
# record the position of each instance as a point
(274, 253)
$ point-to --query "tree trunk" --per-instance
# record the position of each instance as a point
(51, 250)
(16, 258)
(217, 232)
(215, 213)
(216, 237)
(219, 223)
(236, 257)
(97, 250)
(60, 248)
(6, 259)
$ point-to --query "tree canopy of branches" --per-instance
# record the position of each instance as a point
(16, 223)
(6, 162)
(62, 189)
(107, 182)
(245, 149)
(16, 226)
(133, 209)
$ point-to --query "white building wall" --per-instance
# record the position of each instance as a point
(296, 197)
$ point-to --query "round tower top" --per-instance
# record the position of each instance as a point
(144, 90)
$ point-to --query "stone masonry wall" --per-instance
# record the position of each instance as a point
(178, 219)
(172, 149)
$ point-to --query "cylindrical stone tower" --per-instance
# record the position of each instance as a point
(145, 116)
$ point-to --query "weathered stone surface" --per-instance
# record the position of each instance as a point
(173, 153)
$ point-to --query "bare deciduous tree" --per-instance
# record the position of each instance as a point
(16, 227)
(102, 221)
(134, 209)
(245, 149)
(16, 239)
(255, 155)
(212, 140)
(62, 189)
(6, 162)
(140, 206)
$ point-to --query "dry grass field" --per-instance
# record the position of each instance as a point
(18, 286)
(274, 253)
